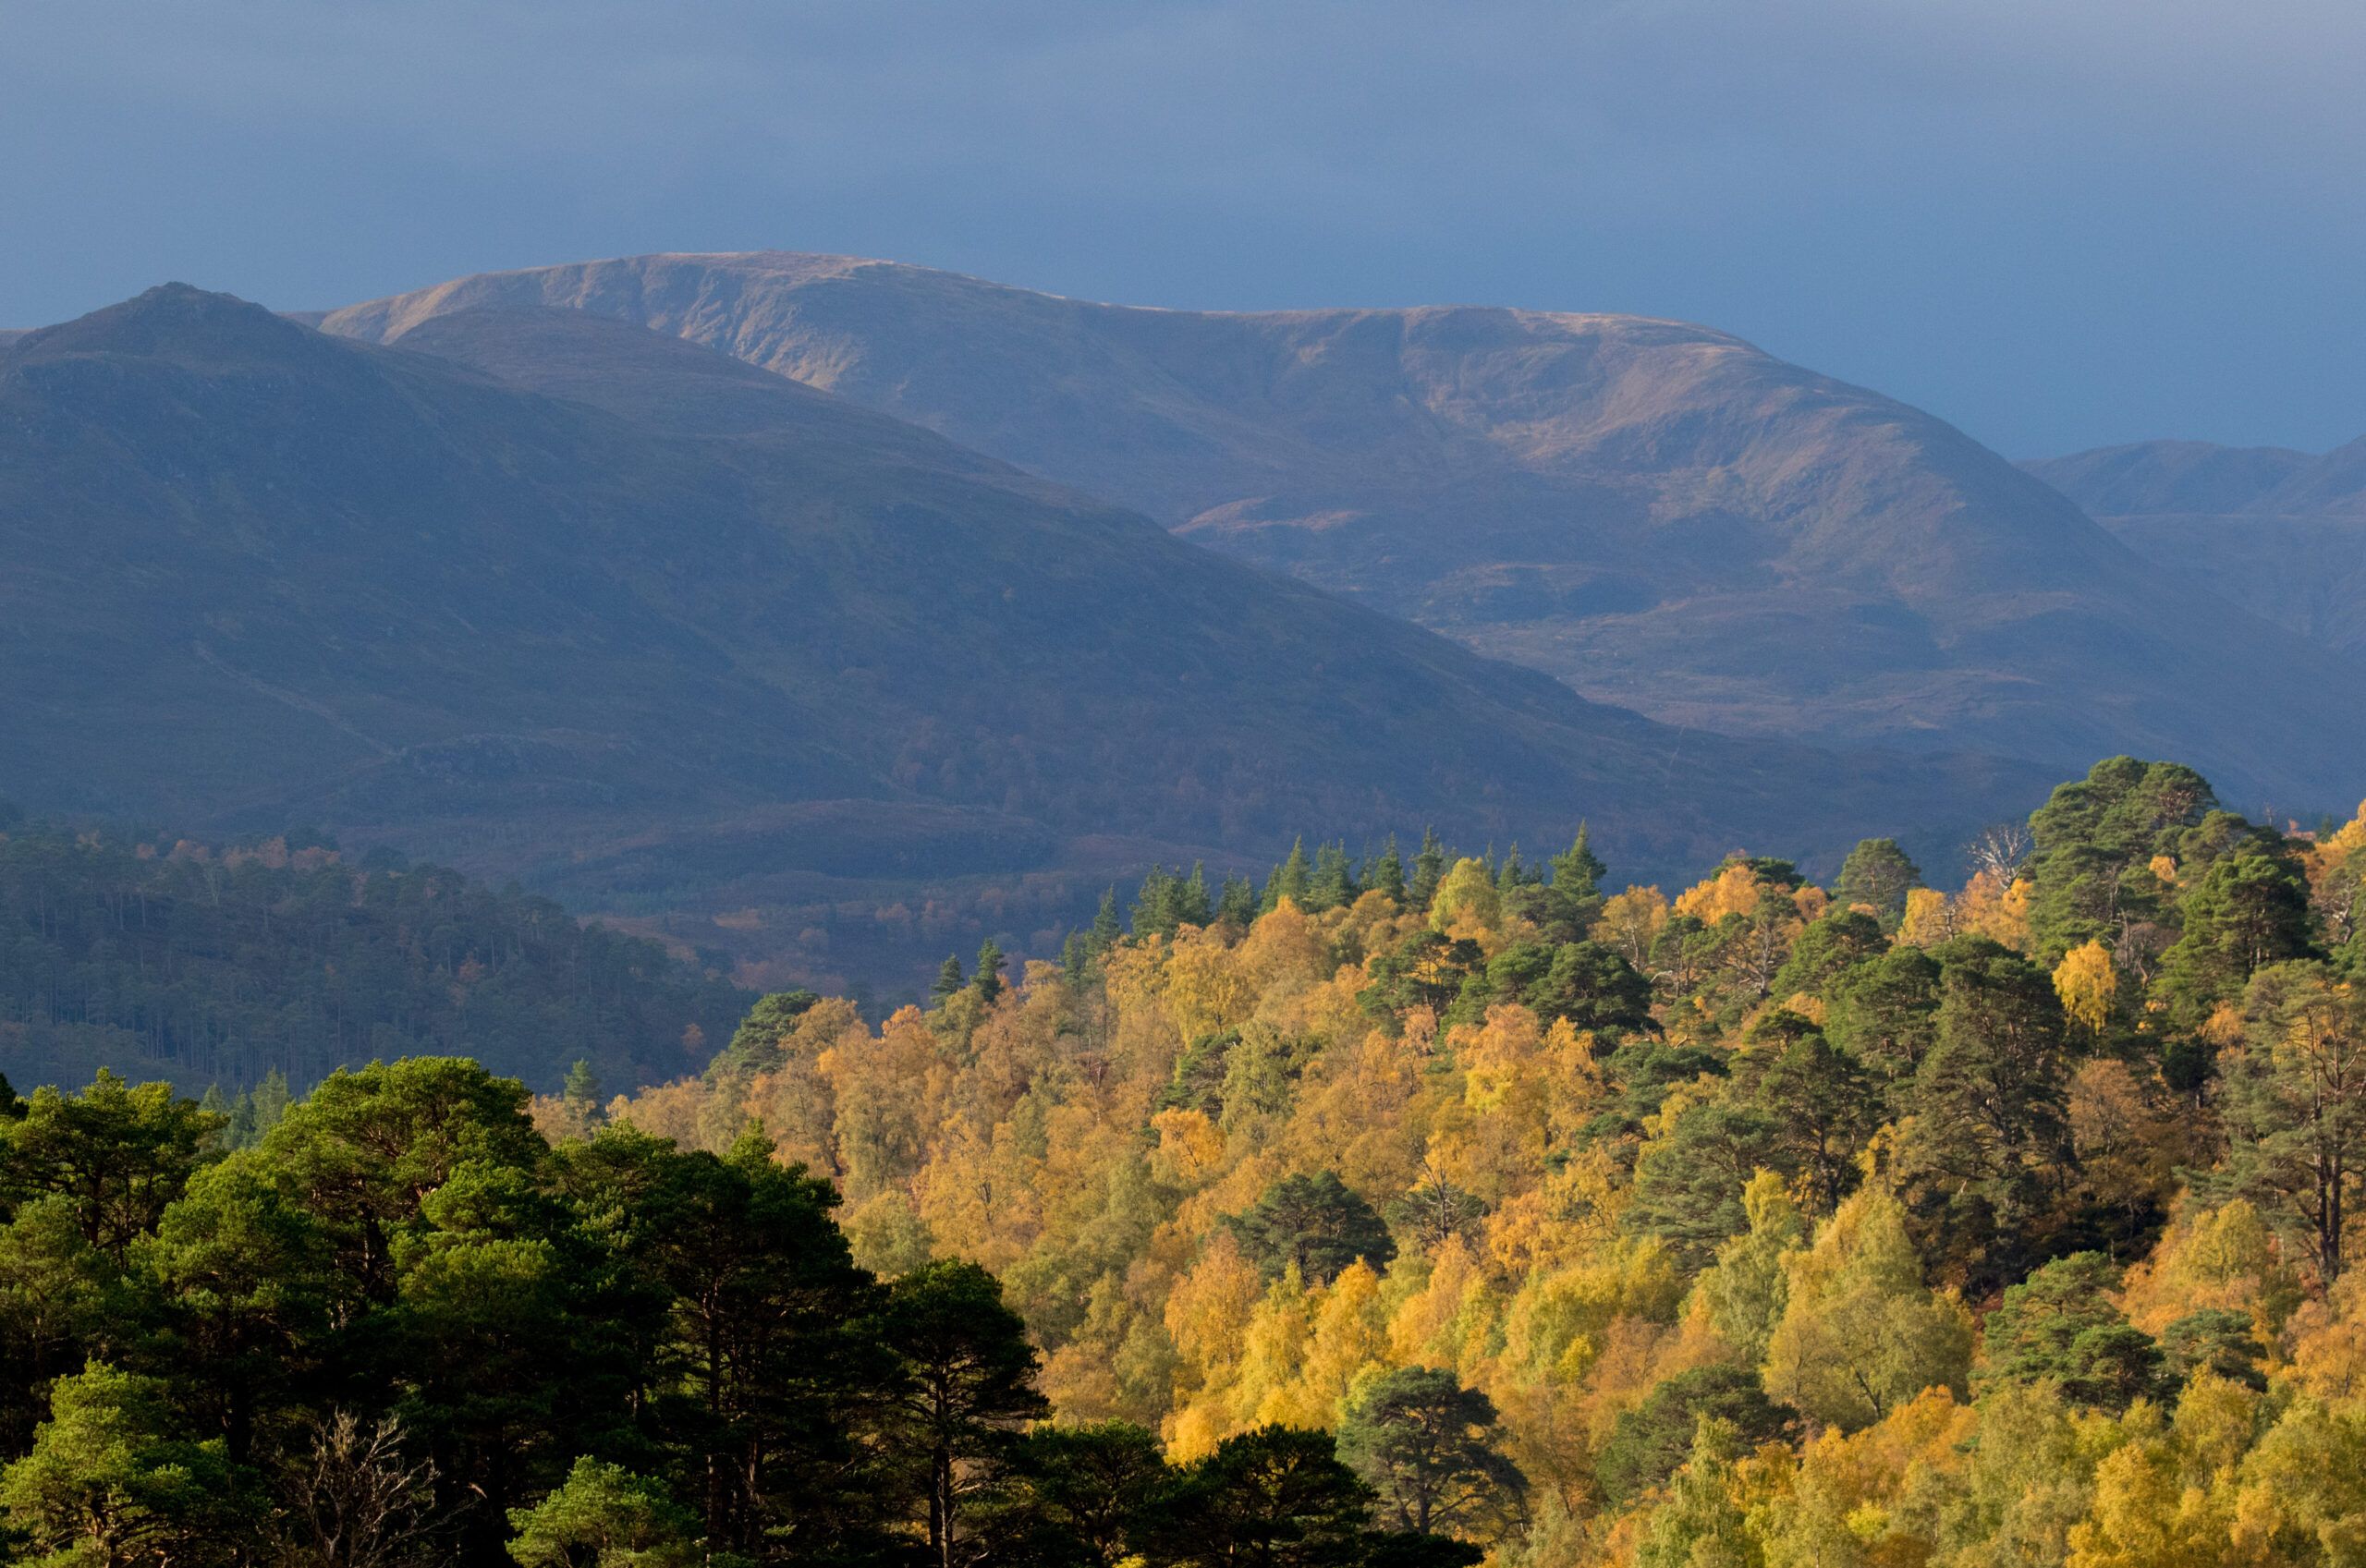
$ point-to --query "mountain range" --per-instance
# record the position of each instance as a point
(2283, 533)
(556, 597)
(832, 612)
(1658, 515)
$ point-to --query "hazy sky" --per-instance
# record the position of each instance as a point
(2058, 222)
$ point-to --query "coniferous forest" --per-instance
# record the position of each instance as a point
(231, 966)
(1412, 1207)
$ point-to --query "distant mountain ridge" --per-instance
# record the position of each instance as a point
(1658, 514)
(2170, 476)
(560, 598)
(2281, 532)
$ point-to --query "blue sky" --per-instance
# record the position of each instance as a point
(2057, 223)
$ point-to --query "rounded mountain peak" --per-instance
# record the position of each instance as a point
(177, 322)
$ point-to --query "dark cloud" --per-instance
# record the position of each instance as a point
(2058, 224)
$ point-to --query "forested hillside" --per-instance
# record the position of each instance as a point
(1748, 1222)
(225, 964)
(1393, 1211)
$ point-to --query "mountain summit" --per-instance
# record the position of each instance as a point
(1657, 514)
(558, 597)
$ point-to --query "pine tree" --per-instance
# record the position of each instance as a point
(1428, 869)
(1386, 874)
(106, 1483)
(240, 1132)
(1075, 958)
(949, 980)
(1290, 880)
(1515, 873)
(1237, 902)
(1877, 875)
(582, 1089)
(2249, 910)
(1106, 928)
(605, 1513)
(1334, 882)
(1154, 907)
(272, 1101)
(1430, 1450)
(1315, 1224)
(1577, 871)
(1192, 904)
(967, 1389)
(991, 964)
(2295, 1103)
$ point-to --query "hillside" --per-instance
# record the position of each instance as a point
(1658, 514)
(2281, 533)
(1407, 1216)
(1930, 1227)
(220, 963)
(726, 645)
(2169, 476)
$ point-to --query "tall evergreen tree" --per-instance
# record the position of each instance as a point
(1577, 870)
(272, 1101)
(107, 1483)
(1093, 1493)
(1237, 902)
(1106, 928)
(988, 976)
(2248, 910)
(1315, 1224)
(965, 1392)
(1156, 911)
(581, 1092)
(1289, 880)
(1429, 1449)
(2294, 1101)
(1429, 870)
(1192, 906)
(1877, 875)
(949, 980)
(1386, 873)
(2096, 840)
(1333, 883)
(1272, 1497)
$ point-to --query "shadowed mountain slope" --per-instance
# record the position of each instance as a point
(1657, 514)
(2169, 476)
(562, 597)
(2281, 533)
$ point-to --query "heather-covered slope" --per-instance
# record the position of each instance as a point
(1658, 514)
(718, 633)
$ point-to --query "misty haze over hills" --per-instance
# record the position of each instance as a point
(642, 580)
(558, 597)
(2281, 533)
(1657, 514)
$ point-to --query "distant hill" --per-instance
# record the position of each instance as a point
(218, 964)
(1658, 514)
(562, 599)
(2169, 476)
(2281, 533)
